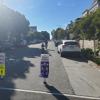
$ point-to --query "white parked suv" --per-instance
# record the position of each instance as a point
(69, 47)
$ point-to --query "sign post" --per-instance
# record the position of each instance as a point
(44, 66)
(2, 65)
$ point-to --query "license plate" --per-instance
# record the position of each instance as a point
(71, 46)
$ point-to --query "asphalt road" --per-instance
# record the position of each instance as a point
(23, 81)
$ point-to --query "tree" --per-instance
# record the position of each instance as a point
(43, 35)
(46, 35)
(53, 34)
(74, 29)
(70, 27)
(83, 26)
(59, 33)
(94, 28)
(12, 24)
(87, 27)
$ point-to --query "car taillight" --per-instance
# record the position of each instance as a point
(64, 46)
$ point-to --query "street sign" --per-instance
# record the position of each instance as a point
(44, 65)
(2, 65)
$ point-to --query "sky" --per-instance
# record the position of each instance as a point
(49, 14)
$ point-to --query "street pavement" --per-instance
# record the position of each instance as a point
(84, 78)
(23, 81)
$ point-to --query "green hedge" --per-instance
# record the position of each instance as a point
(96, 60)
(88, 53)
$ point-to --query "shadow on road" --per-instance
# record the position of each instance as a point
(16, 67)
(51, 50)
(56, 93)
(46, 52)
(6, 95)
(78, 58)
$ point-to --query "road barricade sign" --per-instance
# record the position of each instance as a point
(44, 65)
(2, 65)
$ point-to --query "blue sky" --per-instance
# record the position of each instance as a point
(49, 14)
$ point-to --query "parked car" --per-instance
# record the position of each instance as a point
(69, 47)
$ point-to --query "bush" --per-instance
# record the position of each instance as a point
(97, 52)
(97, 61)
(88, 53)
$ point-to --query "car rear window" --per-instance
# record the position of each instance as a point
(71, 43)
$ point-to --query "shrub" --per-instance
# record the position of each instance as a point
(97, 61)
(88, 53)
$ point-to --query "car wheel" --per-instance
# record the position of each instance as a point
(58, 51)
(61, 54)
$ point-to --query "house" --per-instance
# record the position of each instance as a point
(95, 5)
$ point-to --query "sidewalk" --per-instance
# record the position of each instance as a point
(85, 79)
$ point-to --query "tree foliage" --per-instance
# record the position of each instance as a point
(43, 35)
(12, 24)
(88, 27)
(59, 33)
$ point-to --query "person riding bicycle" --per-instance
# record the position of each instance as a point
(46, 44)
(43, 47)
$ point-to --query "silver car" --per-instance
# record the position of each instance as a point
(69, 47)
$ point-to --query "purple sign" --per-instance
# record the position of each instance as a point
(44, 69)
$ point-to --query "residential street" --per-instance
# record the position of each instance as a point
(23, 81)
(49, 50)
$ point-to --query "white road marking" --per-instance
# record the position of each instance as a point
(50, 93)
